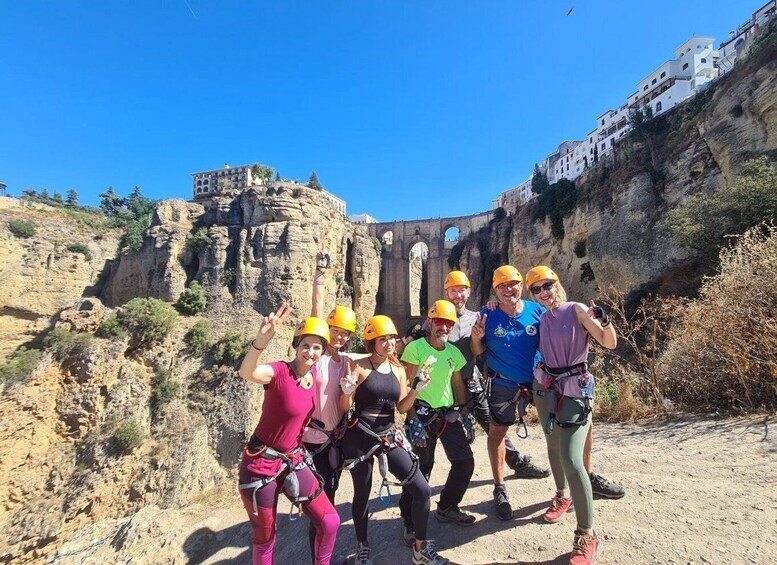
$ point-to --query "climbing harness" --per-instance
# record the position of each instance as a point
(293, 461)
(390, 439)
(522, 399)
(574, 383)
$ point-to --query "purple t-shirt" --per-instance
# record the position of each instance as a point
(285, 412)
(563, 341)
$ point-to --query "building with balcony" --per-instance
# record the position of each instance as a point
(739, 40)
(210, 183)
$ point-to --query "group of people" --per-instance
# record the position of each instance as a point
(328, 411)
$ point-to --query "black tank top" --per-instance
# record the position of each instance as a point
(376, 398)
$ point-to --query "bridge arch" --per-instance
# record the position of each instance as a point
(394, 289)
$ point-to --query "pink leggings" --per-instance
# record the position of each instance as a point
(322, 516)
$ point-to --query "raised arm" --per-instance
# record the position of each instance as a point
(596, 322)
(322, 263)
(478, 333)
(250, 369)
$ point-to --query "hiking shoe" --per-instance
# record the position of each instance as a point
(602, 487)
(408, 535)
(455, 515)
(503, 508)
(585, 549)
(427, 555)
(559, 506)
(525, 469)
(362, 555)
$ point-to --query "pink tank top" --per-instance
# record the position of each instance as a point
(563, 341)
(328, 376)
(286, 410)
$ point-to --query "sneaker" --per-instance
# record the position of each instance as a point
(559, 506)
(585, 549)
(602, 487)
(427, 555)
(503, 508)
(455, 515)
(408, 535)
(525, 469)
(362, 555)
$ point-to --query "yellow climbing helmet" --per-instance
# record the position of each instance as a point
(342, 317)
(378, 326)
(456, 278)
(540, 273)
(312, 326)
(443, 310)
(506, 273)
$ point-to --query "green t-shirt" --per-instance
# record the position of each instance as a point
(439, 392)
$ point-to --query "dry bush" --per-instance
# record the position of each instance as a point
(723, 352)
(628, 385)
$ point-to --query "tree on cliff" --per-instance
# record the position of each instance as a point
(313, 182)
(539, 180)
(262, 172)
(72, 198)
(111, 203)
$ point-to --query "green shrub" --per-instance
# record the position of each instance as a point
(19, 366)
(296, 193)
(230, 348)
(147, 320)
(65, 344)
(165, 390)
(557, 201)
(110, 328)
(80, 248)
(192, 300)
(200, 337)
(228, 276)
(128, 436)
(200, 240)
(21, 228)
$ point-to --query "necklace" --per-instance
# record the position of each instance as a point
(305, 381)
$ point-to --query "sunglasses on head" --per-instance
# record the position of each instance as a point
(536, 289)
(440, 322)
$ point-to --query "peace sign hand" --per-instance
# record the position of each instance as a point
(270, 325)
(479, 329)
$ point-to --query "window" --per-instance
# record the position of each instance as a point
(658, 106)
(663, 74)
(646, 86)
(703, 60)
(685, 66)
(604, 146)
(654, 81)
(602, 121)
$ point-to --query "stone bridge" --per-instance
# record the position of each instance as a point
(402, 281)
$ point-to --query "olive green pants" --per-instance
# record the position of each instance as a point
(565, 453)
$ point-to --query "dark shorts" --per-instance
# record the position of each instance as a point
(502, 404)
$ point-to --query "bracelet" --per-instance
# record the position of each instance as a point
(257, 348)
(605, 324)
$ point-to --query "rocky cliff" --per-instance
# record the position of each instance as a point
(614, 235)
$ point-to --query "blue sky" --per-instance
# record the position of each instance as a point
(404, 108)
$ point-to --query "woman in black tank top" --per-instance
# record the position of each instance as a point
(382, 388)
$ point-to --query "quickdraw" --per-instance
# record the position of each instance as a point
(293, 461)
(390, 439)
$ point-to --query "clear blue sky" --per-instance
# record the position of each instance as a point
(405, 108)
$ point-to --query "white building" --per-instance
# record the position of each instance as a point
(739, 39)
(566, 162)
(512, 197)
(362, 219)
(208, 183)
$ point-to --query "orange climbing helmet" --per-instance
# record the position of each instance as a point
(506, 273)
(456, 278)
(342, 317)
(378, 326)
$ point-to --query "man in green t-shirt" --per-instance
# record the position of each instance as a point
(436, 415)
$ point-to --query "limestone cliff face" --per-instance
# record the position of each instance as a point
(614, 237)
(264, 241)
(38, 275)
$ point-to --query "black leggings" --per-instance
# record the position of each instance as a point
(355, 444)
(331, 478)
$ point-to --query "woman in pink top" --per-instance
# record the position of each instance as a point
(563, 395)
(275, 460)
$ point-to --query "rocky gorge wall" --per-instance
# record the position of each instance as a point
(614, 235)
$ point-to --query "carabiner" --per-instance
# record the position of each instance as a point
(385, 500)
(521, 423)
(549, 424)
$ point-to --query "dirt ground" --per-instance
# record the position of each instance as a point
(699, 490)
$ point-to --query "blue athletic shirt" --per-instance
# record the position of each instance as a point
(513, 343)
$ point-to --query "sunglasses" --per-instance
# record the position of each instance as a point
(540, 287)
(440, 322)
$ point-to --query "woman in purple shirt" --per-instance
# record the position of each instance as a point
(275, 460)
(563, 394)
